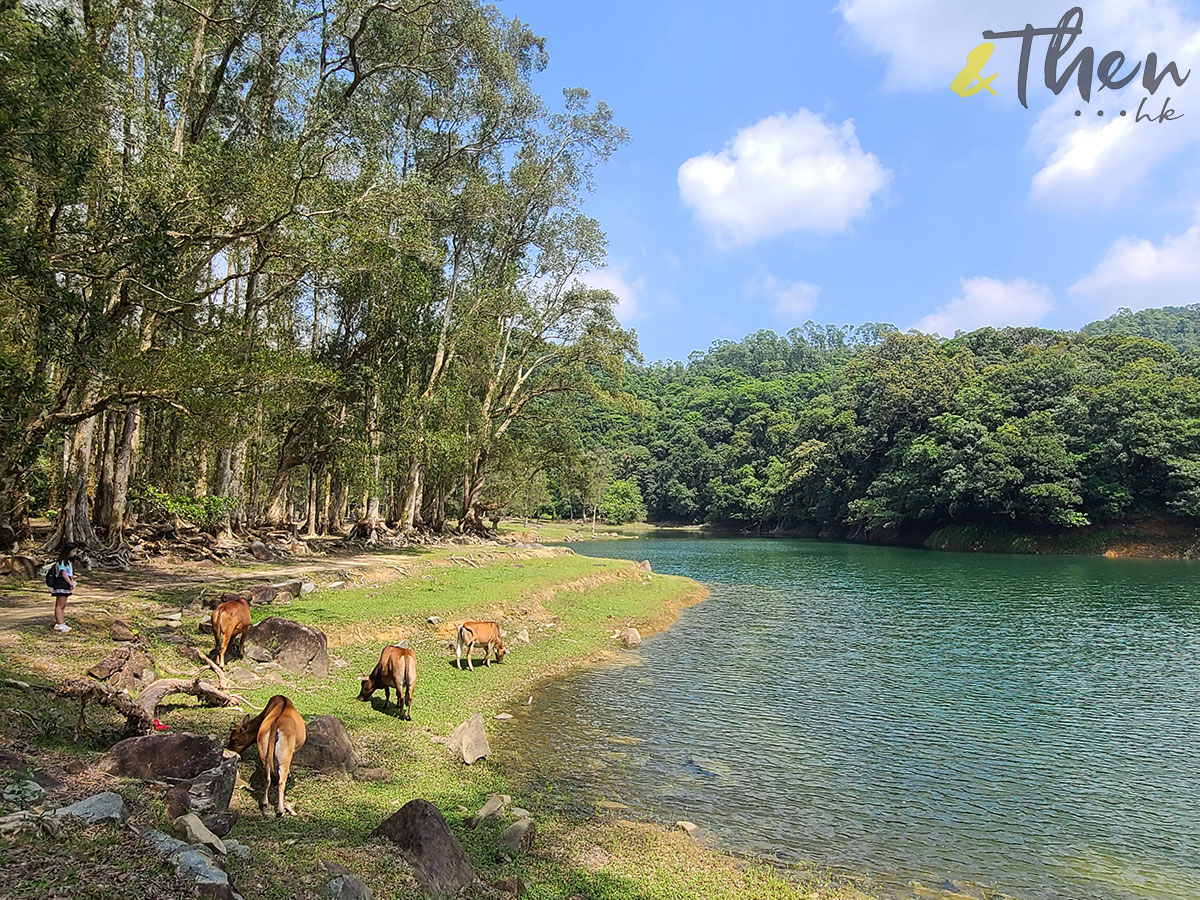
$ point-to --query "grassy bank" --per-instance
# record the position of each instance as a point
(1155, 538)
(569, 604)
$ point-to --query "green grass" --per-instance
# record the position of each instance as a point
(578, 601)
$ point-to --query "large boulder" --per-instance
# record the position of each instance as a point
(162, 757)
(209, 793)
(440, 864)
(298, 648)
(327, 747)
(469, 741)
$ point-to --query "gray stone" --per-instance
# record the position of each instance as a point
(440, 864)
(163, 844)
(336, 586)
(221, 824)
(107, 808)
(193, 863)
(522, 636)
(518, 837)
(686, 826)
(493, 808)
(260, 654)
(434, 620)
(259, 551)
(327, 747)
(236, 849)
(469, 741)
(631, 637)
(209, 793)
(517, 813)
(298, 648)
(346, 887)
(192, 830)
(24, 793)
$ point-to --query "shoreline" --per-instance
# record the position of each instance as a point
(569, 603)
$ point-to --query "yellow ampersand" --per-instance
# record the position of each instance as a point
(970, 80)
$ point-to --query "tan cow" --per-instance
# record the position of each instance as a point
(485, 633)
(397, 668)
(231, 619)
(279, 732)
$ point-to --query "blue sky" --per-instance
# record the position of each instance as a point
(796, 160)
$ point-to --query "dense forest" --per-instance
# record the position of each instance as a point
(314, 267)
(870, 431)
(268, 262)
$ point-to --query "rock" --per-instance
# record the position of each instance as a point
(107, 808)
(295, 587)
(335, 586)
(434, 620)
(346, 887)
(335, 868)
(162, 757)
(685, 826)
(259, 551)
(518, 837)
(298, 648)
(503, 717)
(469, 740)
(192, 830)
(419, 830)
(644, 565)
(327, 747)
(128, 667)
(121, 631)
(48, 779)
(236, 849)
(24, 793)
(205, 626)
(522, 636)
(172, 617)
(517, 813)
(221, 824)
(631, 637)
(20, 568)
(192, 864)
(493, 808)
(259, 654)
(209, 793)
(510, 884)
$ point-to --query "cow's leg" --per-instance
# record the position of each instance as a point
(471, 653)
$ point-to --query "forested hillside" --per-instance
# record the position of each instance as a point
(871, 431)
(1178, 326)
(266, 262)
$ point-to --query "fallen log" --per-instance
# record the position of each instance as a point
(139, 712)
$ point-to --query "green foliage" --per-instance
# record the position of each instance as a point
(1176, 326)
(203, 512)
(622, 503)
(1021, 428)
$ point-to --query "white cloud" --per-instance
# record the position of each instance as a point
(1085, 160)
(1137, 273)
(782, 174)
(989, 301)
(613, 278)
(789, 299)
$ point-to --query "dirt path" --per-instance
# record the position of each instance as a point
(30, 603)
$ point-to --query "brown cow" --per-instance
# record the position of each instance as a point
(397, 668)
(279, 732)
(472, 633)
(230, 620)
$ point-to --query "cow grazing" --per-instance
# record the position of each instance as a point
(486, 634)
(278, 732)
(397, 668)
(231, 619)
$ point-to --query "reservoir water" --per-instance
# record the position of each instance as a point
(1017, 724)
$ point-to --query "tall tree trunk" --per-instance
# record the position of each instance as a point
(122, 469)
(314, 481)
(339, 494)
(473, 482)
(200, 489)
(412, 497)
(102, 509)
(185, 92)
(74, 523)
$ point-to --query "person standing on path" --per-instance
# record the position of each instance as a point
(61, 580)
